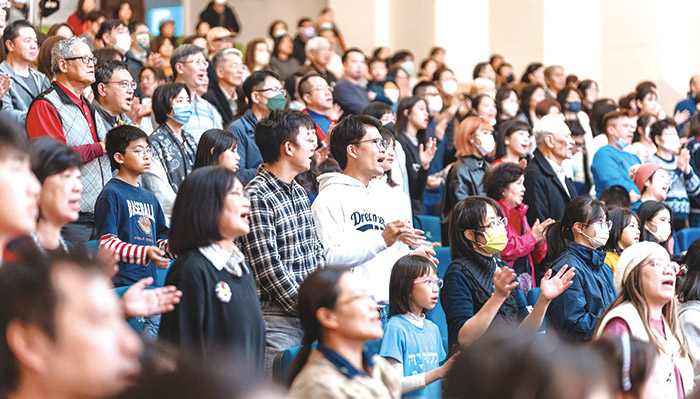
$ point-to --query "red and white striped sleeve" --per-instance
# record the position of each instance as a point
(128, 253)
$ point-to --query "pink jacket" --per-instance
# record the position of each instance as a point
(520, 245)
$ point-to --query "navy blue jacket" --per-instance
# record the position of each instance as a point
(244, 130)
(575, 312)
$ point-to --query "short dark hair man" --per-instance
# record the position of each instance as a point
(62, 331)
(114, 89)
(282, 247)
(349, 93)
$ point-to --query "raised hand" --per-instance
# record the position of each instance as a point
(552, 287)
(683, 161)
(504, 281)
(538, 229)
(426, 152)
(138, 301)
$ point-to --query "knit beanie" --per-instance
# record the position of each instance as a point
(632, 257)
(643, 174)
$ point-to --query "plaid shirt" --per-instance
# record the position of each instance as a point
(282, 247)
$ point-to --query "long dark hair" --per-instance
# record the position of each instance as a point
(211, 145)
(620, 218)
(646, 212)
(319, 290)
(468, 214)
(405, 271)
(578, 210)
(389, 137)
(689, 285)
(407, 104)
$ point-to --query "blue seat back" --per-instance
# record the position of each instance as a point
(686, 237)
(430, 225)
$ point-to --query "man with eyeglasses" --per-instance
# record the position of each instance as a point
(63, 113)
(114, 94)
(190, 68)
(20, 43)
(318, 97)
(264, 92)
(360, 227)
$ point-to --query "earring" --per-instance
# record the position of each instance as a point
(507, 142)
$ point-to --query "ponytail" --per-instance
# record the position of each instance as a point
(557, 235)
(302, 357)
(578, 210)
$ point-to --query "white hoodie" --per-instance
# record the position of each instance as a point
(350, 218)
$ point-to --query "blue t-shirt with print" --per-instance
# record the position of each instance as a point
(134, 215)
(418, 349)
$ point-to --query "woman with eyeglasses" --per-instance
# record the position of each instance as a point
(576, 242)
(647, 309)
(473, 141)
(174, 148)
(337, 312)
(412, 119)
(479, 290)
(526, 246)
(219, 311)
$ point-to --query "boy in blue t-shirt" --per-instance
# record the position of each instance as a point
(128, 218)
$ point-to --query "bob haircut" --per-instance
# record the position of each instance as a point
(466, 129)
(621, 218)
(497, 179)
(405, 271)
(163, 98)
(197, 211)
(545, 106)
(349, 131)
(49, 157)
(505, 130)
(689, 287)
(564, 93)
(468, 214)
(212, 144)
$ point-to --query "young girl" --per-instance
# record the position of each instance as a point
(217, 147)
(412, 343)
(624, 232)
(656, 221)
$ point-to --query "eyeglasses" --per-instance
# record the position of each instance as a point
(364, 297)
(125, 84)
(240, 192)
(662, 265)
(436, 281)
(379, 142)
(607, 224)
(323, 88)
(199, 63)
(278, 90)
(142, 152)
(84, 58)
(502, 222)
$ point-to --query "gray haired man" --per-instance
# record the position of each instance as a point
(63, 113)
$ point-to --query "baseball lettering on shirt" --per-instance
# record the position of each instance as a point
(364, 221)
(140, 209)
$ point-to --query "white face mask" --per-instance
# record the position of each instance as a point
(449, 87)
(488, 143)
(123, 42)
(672, 143)
(434, 104)
(392, 95)
(510, 109)
(601, 235)
(262, 58)
(220, 2)
(663, 231)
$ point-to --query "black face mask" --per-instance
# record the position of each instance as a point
(510, 78)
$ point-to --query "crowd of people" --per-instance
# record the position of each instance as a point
(275, 185)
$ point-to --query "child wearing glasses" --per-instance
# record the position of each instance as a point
(128, 218)
(412, 343)
(480, 292)
(647, 309)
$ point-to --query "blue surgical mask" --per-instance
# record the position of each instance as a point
(574, 106)
(408, 67)
(621, 143)
(182, 112)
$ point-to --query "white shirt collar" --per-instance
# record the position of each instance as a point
(234, 263)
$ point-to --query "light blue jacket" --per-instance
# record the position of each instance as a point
(17, 100)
